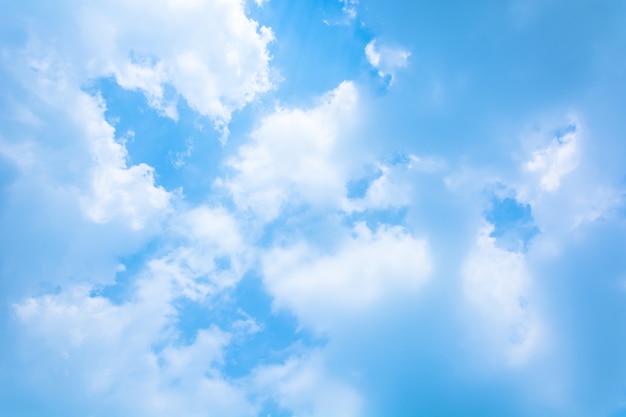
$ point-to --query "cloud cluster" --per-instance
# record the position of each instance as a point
(294, 157)
(209, 52)
(119, 359)
(116, 190)
(129, 355)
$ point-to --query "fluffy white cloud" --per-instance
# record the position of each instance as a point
(209, 51)
(294, 157)
(116, 189)
(88, 160)
(107, 359)
(74, 203)
(555, 161)
(498, 286)
(385, 59)
(365, 270)
(129, 358)
(307, 157)
(212, 226)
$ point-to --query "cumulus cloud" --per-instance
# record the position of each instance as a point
(555, 161)
(215, 78)
(69, 161)
(497, 284)
(366, 270)
(108, 360)
(294, 157)
(386, 60)
(75, 202)
(116, 189)
(118, 38)
(89, 160)
(112, 349)
(323, 159)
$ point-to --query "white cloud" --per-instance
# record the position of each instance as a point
(362, 273)
(307, 157)
(116, 189)
(71, 145)
(209, 255)
(562, 182)
(209, 51)
(294, 157)
(106, 358)
(555, 161)
(498, 286)
(390, 189)
(385, 59)
(557, 176)
(150, 79)
(212, 226)
(394, 186)
(128, 358)
(304, 386)
(373, 56)
(75, 203)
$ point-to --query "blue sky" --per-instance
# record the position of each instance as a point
(318, 208)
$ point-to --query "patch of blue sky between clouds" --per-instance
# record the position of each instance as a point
(313, 56)
(272, 337)
(513, 226)
(185, 152)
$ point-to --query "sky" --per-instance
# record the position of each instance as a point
(321, 208)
